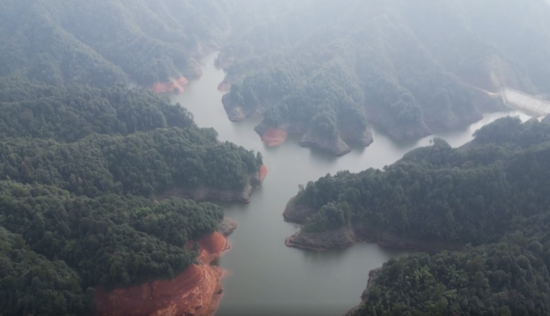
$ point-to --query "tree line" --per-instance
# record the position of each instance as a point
(407, 68)
(489, 197)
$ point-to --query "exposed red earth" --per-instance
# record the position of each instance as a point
(224, 86)
(175, 86)
(196, 291)
(263, 172)
(274, 137)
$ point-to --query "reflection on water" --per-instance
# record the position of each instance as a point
(265, 273)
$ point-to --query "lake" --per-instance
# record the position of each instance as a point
(266, 277)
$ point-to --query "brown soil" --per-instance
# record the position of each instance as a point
(223, 86)
(274, 137)
(175, 86)
(263, 172)
(196, 291)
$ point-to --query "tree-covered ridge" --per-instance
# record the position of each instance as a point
(36, 110)
(102, 43)
(406, 67)
(491, 193)
(507, 278)
(32, 284)
(80, 170)
(141, 164)
(113, 240)
(465, 195)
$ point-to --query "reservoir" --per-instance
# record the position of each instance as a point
(264, 275)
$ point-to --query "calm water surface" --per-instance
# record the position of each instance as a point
(265, 275)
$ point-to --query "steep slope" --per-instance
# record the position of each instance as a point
(102, 43)
(408, 68)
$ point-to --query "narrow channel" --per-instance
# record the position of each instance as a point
(265, 275)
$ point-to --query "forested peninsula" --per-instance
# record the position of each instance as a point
(101, 180)
(485, 204)
(329, 70)
(107, 189)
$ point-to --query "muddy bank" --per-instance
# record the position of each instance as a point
(387, 239)
(347, 236)
(237, 112)
(263, 172)
(209, 194)
(196, 291)
(334, 146)
(297, 213)
(224, 86)
(373, 275)
(175, 86)
(227, 226)
(274, 137)
(340, 238)
(362, 139)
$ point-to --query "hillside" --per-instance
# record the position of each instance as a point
(96, 178)
(407, 68)
(108, 42)
(483, 204)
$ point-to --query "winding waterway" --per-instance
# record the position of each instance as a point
(266, 277)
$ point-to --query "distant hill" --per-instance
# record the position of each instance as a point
(407, 67)
(104, 42)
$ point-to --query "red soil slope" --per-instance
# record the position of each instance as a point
(224, 86)
(263, 172)
(274, 137)
(196, 291)
(175, 86)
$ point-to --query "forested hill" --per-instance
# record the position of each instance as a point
(87, 164)
(37, 110)
(82, 171)
(408, 67)
(464, 195)
(105, 42)
(59, 246)
(490, 195)
(102, 43)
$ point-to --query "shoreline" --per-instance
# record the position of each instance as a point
(197, 290)
(202, 193)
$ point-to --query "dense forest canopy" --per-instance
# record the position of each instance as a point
(490, 195)
(409, 67)
(102, 43)
(81, 169)
(119, 41)
(86, 161)
(142, 163)
(87, 164)
(37, 110)
(112, 240)
(465, 195)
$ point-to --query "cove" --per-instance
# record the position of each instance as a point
(266, 277)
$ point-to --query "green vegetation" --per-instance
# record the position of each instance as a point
(111, 240)
(32, 284)
(508, 278)
(465, 195)
(141, 163)
(37, 110)
(145, 41)
(409, 68)
(86, 162)
(489, 195)
(80, 169)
